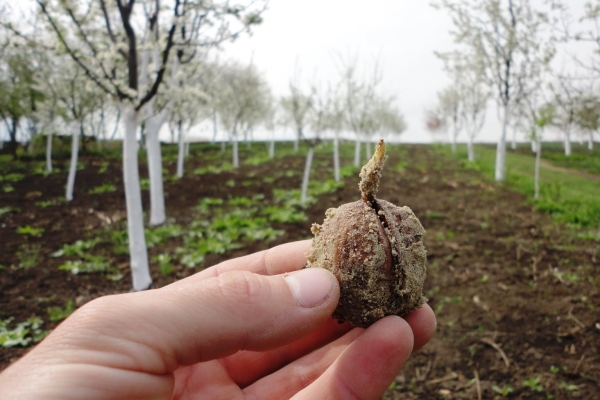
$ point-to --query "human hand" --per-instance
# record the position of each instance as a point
(250, 327)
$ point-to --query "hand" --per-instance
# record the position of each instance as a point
(247, 328)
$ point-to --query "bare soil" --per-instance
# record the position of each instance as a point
(516, 295)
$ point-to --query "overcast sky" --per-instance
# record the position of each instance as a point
(403, 34)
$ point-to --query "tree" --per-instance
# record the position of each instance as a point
(243, 100)
(19, 94)
(505, 36)
(104, 38)
(587, 117)
(450, 104)
(296, 106)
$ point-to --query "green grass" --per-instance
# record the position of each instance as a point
(569, 197)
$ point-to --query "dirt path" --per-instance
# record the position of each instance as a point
(583, 174)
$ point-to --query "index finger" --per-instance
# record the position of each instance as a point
(284, 258)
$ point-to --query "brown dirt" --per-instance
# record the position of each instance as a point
(516, 295)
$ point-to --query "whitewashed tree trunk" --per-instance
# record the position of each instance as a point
(235, 155)
(568, 142)
(513, 145)
(214, 123)
(187, 148)
(471, 149)
(357, 152)
(453, 144)
(272, 145)
(157, 194)
(538, 157)
(49, 148)
(501, 150)
(306, 175)
(180, 152)
(73, 165)
(533, 146)
(138, 253)
(336, 156)
(297, 142)
(591, 141)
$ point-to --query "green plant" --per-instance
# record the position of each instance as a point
(503, 391)
(534, 384)
(88, 265)
(76, 249)
(59, 313)
(569, 387)
(103, 167)
(165, 264)
(8, 188)
(14, 177)
(28, 255)
(30, 231)
(104, 188)
(160, 234)
(285, 214)
(554, 369)
(6, 210)
(23, 334)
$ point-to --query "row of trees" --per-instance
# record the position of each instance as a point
(505, 52)
(127, 68)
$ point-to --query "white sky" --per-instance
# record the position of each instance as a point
(402, 34)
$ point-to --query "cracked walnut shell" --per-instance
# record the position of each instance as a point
(375, 250)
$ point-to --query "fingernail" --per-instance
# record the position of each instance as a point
(310, 287)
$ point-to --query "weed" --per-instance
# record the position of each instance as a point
(104, 188)
(484, 278)
(76, 249)
(165, 264)
(23, 334)
(88, 265)
(568, 387)
(28, 230)
(503, 391)
(554, 369)
(285, 214)
(534, 384)
(28, 255)
(6, 210)
(14, 177)
(8, 188)
(59, 313)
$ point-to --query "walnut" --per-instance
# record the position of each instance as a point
(375, 250)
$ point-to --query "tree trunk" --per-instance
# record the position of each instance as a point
(514, 140)
(533, 146)
(568, 142)
(73, 166)
(297, 141)
(357, 152)
(49, 149)
(187, 148)
(214, 121)
(13, 144)
(235, 155)
(140, 271)
(180, 152)
(223, 145)
(157, 193)
(452, 145)
(336, 156)
(368, 149)
(591, 141)
(501, 150)
(272, 145)
(471, 149)
(538, 156)
(306, 176)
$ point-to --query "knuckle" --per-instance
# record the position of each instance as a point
(242, 285)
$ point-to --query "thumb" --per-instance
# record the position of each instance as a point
(157, 331)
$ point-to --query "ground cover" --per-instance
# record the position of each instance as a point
(515, 292)
(569, 194)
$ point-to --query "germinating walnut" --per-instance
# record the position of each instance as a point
(375, 250)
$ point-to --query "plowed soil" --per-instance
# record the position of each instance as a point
(516, 295)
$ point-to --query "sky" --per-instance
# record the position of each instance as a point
(401, 34)
(315, 34)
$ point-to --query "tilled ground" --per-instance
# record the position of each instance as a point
(516, 295)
